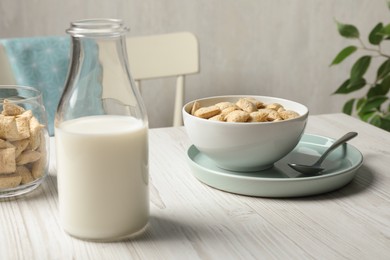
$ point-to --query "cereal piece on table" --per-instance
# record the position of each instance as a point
(35, 133)
(28, 157)
(20, 146)
(11, 109)
(256, 102)
(258, 116)
(207, 112)
(288, 114)
(25, 173)
(7, 160)
(10, 180)
(224, 105)
(218, 117)
(274, 106)
(246, 105)
(195, 107)
(237, 116)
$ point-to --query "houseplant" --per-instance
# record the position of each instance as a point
(373, 106)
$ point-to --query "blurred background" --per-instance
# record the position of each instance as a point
(277, 48)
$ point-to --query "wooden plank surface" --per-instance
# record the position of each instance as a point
(190, 220)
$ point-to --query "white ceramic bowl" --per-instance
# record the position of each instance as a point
(245, 146)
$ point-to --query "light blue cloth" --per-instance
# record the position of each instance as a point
(42, 63)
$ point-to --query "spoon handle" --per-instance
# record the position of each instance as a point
(348, 136)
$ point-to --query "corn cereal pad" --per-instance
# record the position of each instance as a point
(22, 151)
(246, 109)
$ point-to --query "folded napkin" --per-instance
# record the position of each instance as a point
(42, 63)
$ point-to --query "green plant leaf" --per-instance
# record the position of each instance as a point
(360, 103)
(347, 30)
(373, 103)
(348, 86)
(385, 84)
(376, 121)
(366, 116)
(360, 67)
(385, 31)
(380, 122)
(383, 70)
(343, 54)
(374, 37)
(348, 107)
(343, 88)
(379, 90)
(385, 124)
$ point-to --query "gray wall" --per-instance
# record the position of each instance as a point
(261, 47)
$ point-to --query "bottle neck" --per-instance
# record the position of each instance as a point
(99, 80)
(98, 28)
(97, 41)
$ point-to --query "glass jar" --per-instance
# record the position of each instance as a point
(24, 140)
(101, 133)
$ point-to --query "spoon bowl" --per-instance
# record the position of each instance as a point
(316, 167)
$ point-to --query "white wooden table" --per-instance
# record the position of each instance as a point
(190, 220)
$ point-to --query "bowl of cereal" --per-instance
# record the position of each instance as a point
(244, 133)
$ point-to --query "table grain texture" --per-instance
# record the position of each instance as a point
(190, 220)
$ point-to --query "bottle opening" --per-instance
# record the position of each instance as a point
(97, 28)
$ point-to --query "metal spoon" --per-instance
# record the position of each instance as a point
(316, 167)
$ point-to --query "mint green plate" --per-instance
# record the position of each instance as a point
(282, 181)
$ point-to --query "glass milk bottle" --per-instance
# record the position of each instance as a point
(101, 138)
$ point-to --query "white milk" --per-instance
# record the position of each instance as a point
(102, 169)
